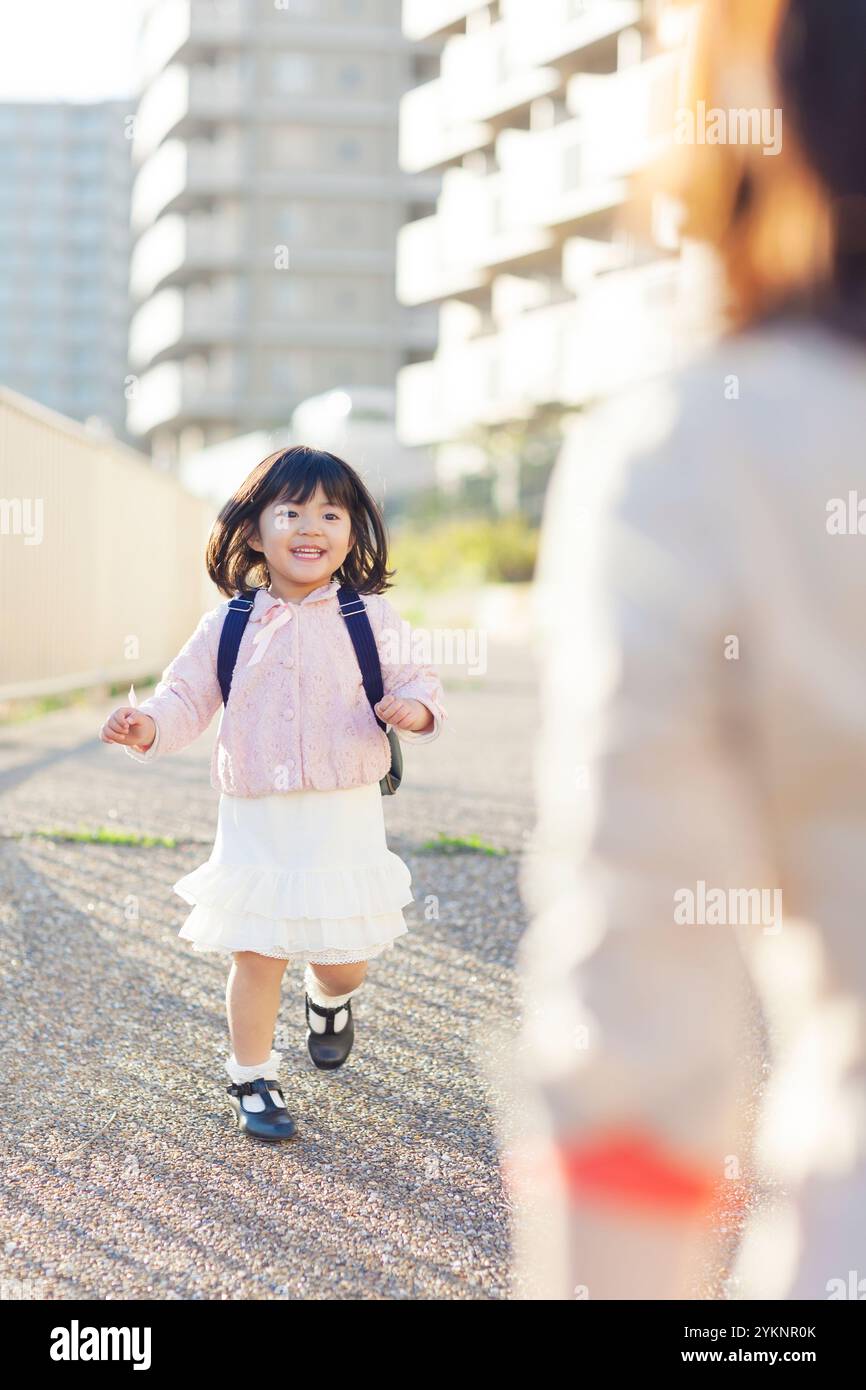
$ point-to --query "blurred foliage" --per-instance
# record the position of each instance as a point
(466, 552)
(34, 707)
(108, 835)
(486, 529)
(460, 844)
(473, 497)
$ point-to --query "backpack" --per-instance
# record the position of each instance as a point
(361, 633)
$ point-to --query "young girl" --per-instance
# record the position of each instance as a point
(300, 868)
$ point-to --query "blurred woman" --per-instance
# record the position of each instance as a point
(694, 880)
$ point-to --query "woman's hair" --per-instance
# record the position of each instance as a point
(789, 227)
(291, 475)
(821, 65)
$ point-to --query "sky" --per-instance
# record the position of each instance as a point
(67, 50)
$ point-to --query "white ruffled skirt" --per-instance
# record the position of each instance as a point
(301, 875)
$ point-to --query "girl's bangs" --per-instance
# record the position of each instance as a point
(295, 480)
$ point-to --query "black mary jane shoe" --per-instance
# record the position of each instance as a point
(273, 1123)
(330, 1049)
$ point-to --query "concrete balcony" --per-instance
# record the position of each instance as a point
(189, 29)
(532, 350)
(432, 135)
(561, 178)
(332, 183)
(340, 260)
(181, 99)
(176, 321)
(583, 258)
(177, 248)
(174, 392)
(627, 118)
(625, 328)
(440, 400)
(442, 257)
(485, 76)
(487, 380)
(182, 172)
(514, 220)
(549, 184)
(427, 19)
(559, 32)
(485, 224)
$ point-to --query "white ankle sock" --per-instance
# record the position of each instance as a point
(326, 1001)
(267, 1069)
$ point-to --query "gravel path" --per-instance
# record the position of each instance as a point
(123, 1175)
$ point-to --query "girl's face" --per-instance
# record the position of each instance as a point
(303, 542)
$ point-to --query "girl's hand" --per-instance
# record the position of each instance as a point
(129, 726)
(410, 715)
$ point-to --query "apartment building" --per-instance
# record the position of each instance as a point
(266, 202)
(65, 177)
(541, 112)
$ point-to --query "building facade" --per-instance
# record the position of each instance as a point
(548, 298)
(266, 204)
(65, 176)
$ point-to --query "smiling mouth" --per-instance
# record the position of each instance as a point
(308, 553)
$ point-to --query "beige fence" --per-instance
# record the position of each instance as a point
(101, 557)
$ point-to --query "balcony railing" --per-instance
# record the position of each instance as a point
(443, 255)
(624, 328)
(180, 94)
(181, 169)
(441, 400)
(175, 318)
(178, 245)
(172, 27)
(627, 118)
(172, 391)
(486, 75)
(555, 31)
(426, 19)
(432, 133)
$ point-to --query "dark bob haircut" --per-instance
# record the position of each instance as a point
(291, 475)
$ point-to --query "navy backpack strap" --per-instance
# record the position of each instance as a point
(354, 611)
(235, 621)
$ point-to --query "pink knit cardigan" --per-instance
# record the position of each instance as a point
(297, 715)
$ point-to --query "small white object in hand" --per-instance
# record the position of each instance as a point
(131, 697)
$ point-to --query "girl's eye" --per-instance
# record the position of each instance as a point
(289, 512)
